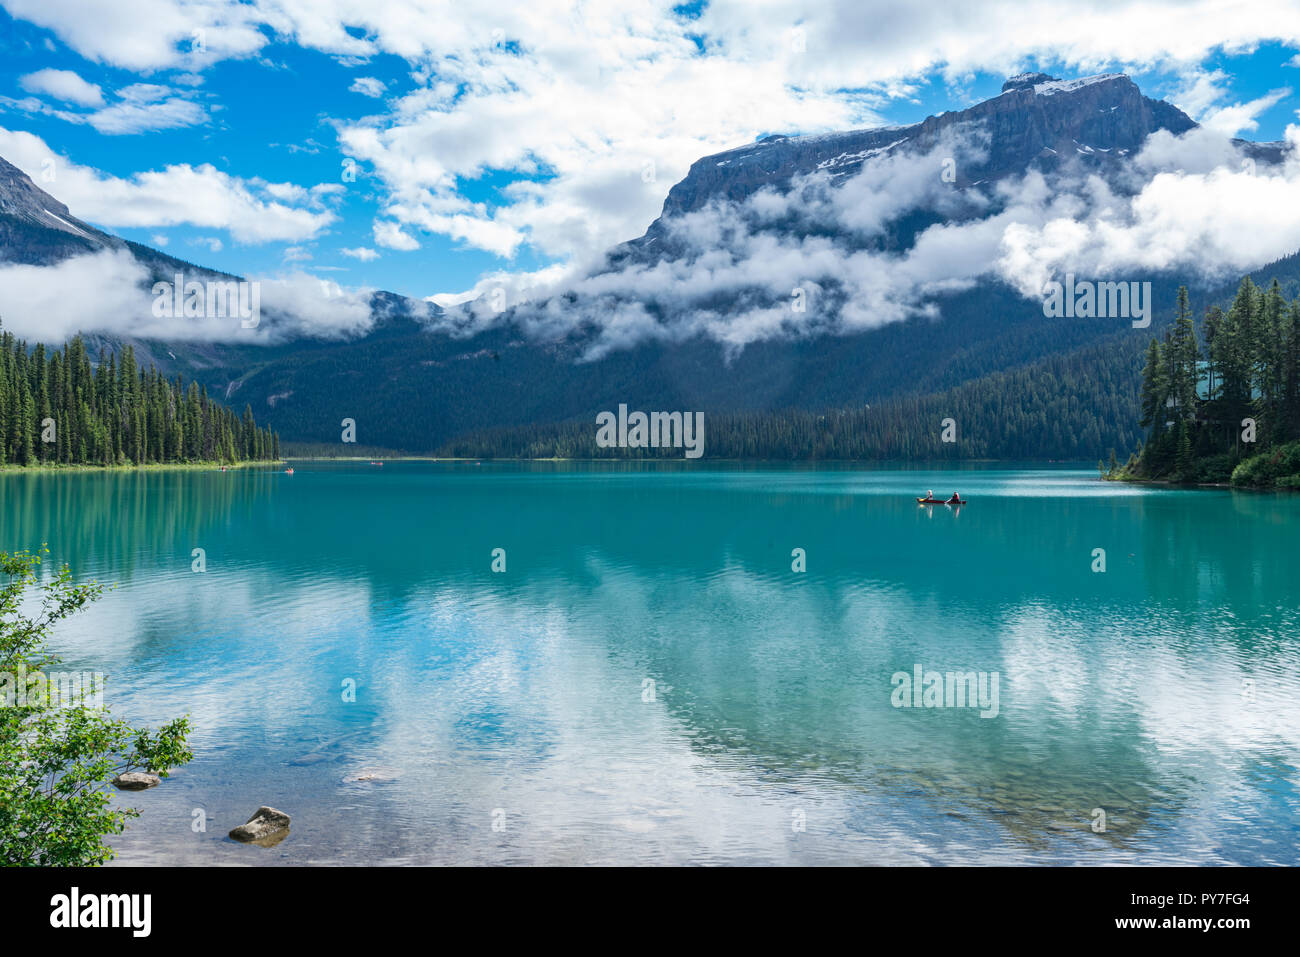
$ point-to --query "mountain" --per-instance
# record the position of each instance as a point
(38, 230)
(1074, 405)
(1037, 122)
(412, 387)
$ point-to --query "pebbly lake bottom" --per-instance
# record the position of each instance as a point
(651, 680)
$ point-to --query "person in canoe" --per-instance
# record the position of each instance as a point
(929, 495)
(955, 500)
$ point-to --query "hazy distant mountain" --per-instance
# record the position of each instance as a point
(412, 388)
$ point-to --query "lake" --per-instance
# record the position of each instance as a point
(650, 680)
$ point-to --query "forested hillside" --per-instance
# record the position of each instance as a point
(1080, 404)
(55, 408)
(1064, 408)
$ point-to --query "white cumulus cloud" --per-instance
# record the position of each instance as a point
(201, 196)
(63, 85)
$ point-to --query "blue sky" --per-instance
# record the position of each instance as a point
(536, 143)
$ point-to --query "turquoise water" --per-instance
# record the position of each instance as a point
(649, 681)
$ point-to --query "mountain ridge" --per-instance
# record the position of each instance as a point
(1034, 122)
(414, 387)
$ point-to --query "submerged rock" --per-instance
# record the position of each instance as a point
(371, 776)
(266, 828)
(315, 757)
(136, 781)
(271, 839)
(327, 751)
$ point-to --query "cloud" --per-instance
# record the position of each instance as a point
(201, 196)
(1214, 223)
(849, 43)
(316, 196)
(1198, 90)
(389, 235)
(303, 305)
(595, 109)
(63, 85)
(769, 267)
(818, 43)
(145, 107)
(593, 129)
(1240, 117)
(141, 108)
(362, 253)
(1200, 95)
(54, 303)
(807, 262)
(367, 86)
(112, 292)
(147, 35)
(591, 112)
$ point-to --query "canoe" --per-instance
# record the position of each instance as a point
(938, 501)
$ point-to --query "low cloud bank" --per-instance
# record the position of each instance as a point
(817, 259)
(112, 292)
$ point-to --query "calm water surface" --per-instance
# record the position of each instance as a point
(649, 681)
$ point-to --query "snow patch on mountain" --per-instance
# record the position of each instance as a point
(1070, 86)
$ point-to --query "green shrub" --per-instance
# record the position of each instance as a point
(1271, 469)
(58, 758)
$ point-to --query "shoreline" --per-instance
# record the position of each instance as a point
(1045, 465)
(1170, 483)
(890, 464)
(1082, 464)
(8, 469)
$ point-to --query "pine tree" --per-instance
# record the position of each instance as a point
(1155, 388)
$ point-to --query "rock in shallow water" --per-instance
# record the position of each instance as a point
(136, 781)
(267, 827)
(371, 776)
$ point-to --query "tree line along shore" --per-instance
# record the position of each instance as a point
(1223, 406)
(1217, 405)
(58, 410)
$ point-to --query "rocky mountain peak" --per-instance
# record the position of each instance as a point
(37, 229)
(1023, 81)
(23, 199)
(1037, 122)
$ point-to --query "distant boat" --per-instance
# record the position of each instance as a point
(288, 471)
(939, 501)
